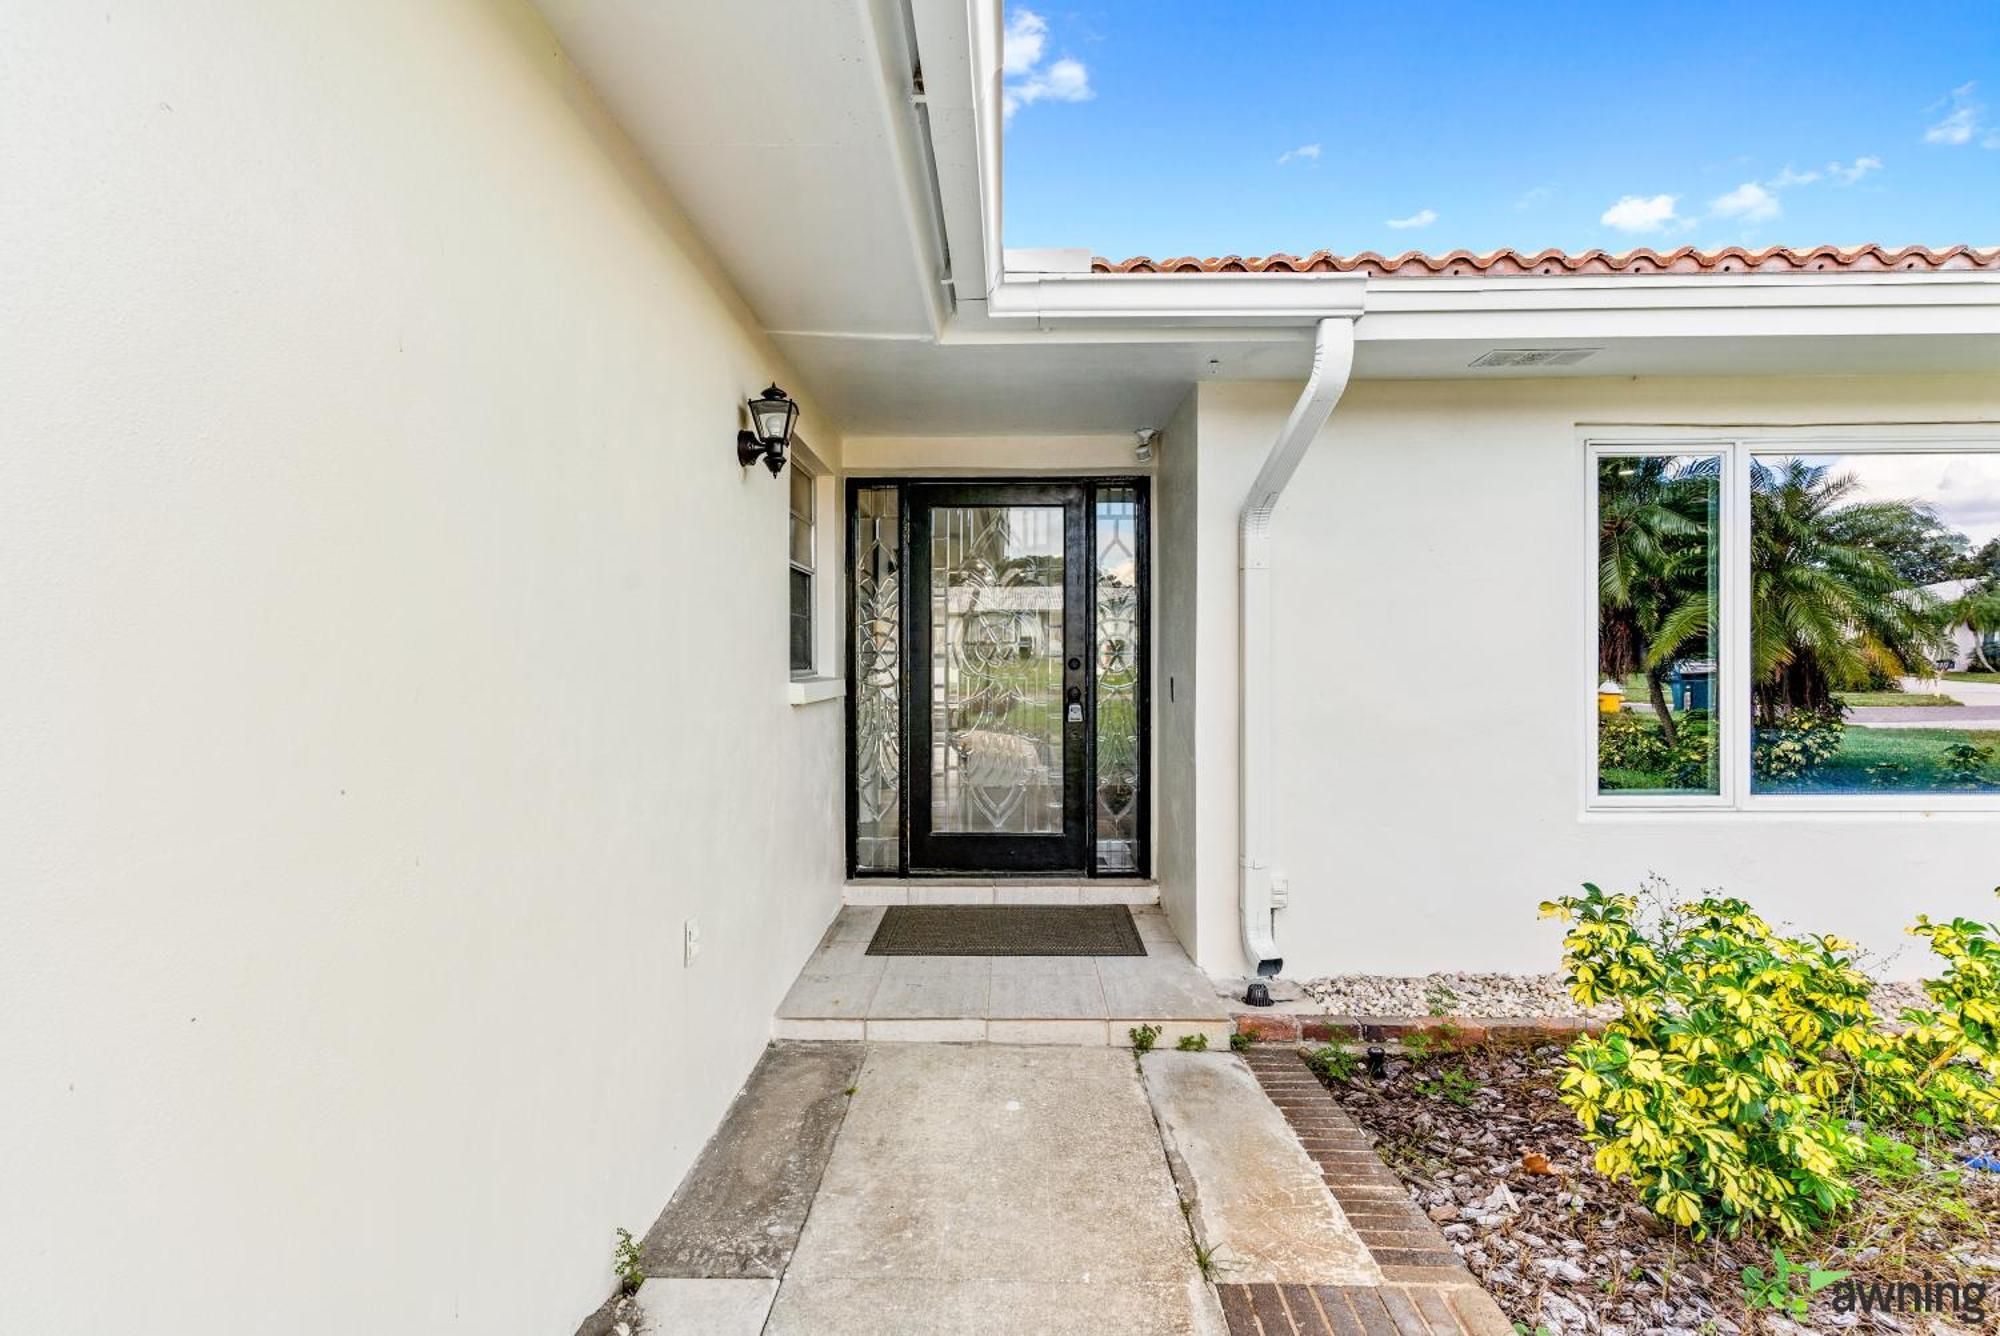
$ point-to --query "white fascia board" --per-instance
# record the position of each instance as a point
(1177, 299)
(1936, 313)
(1694, 291)
(955, 58)
(988, 116)
(1625, 323)
(1696, 306)
(888, 49)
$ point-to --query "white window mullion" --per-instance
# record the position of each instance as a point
(1734, 671)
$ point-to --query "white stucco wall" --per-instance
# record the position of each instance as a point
(1430, 617)
(1176, 673)
(393, 658)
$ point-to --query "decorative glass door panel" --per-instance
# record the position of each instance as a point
(997, 655)
(875, 789)
(1118, 650)
(1001, 707)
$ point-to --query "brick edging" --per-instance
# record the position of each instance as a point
(1291, 1027)
(1360, 1310)
(1424, 1280)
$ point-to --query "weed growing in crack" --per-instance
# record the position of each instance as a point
(626, 1263)
(1333, 1063)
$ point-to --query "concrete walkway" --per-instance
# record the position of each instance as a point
(1972, 694)
(1258, 1203)
(985, 1188)
(906, 1187)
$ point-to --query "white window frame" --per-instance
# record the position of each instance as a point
(1737, 447)
(823, 680)
(804, 465)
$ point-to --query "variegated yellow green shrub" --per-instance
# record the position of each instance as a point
(1725, 1089)
(1946, 1061)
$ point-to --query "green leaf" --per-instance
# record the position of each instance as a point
(1819, 1280)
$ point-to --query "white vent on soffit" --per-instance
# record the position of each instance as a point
(1533, 356)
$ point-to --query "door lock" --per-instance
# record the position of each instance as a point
(1074, 714)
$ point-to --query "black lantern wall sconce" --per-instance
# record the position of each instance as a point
(772, 414)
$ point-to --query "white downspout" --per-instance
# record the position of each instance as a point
(1333, 361)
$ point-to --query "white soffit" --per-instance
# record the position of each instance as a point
(779, 128)
(1031, 386)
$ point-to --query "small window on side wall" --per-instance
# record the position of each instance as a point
(803, 538)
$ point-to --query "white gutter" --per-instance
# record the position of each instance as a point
(1333, 362)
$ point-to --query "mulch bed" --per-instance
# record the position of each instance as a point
(1564, 1249)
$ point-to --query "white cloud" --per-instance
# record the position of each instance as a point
(1638, 213)
(1064, 80)
(1021, 48)
(1421, 218)
(1850, 173)
(1788, 178)
(1749, 202)
(1964, 489)
(1530, 198)
(1961, 123)
(1309, 151)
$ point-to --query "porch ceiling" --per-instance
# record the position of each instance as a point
(1061, 386)
(1028, 388)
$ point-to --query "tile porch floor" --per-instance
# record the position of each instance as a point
(845, 994)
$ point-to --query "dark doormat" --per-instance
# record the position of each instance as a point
(1007, 930)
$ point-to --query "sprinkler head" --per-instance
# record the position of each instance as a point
(1376, 1058)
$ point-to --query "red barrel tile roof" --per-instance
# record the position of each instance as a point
(1685, 260)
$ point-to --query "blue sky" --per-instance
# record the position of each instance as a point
(1170, 127)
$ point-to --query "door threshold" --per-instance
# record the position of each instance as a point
(1000, 891)
(922, 878)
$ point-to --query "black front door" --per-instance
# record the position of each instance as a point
(1000, 688)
